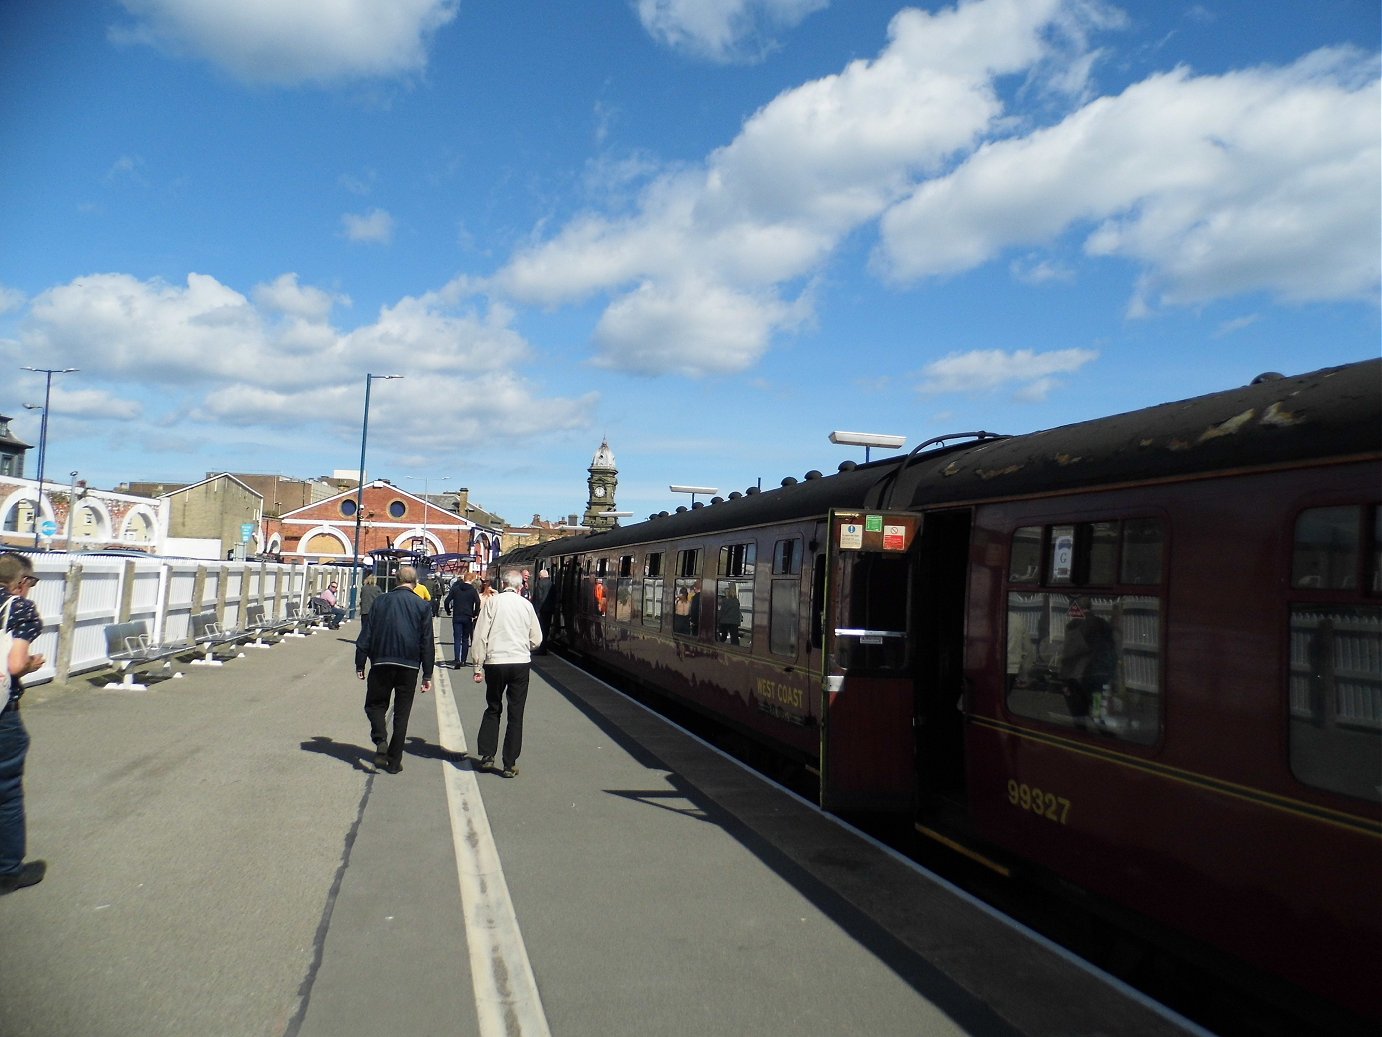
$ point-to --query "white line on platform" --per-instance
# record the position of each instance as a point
(506, 996)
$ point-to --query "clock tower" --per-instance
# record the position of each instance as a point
(603, 479)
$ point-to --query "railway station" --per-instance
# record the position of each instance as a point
(225, 859)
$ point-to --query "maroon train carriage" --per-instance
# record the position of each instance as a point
(1142, 653)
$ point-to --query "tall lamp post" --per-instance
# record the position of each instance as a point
(360, 489)
(48, 372)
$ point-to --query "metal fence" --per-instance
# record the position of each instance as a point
(78, 595)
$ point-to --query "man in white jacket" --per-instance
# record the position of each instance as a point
(505, 636)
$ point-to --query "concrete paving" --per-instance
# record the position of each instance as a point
(224, 860)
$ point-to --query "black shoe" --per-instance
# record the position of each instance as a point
(381, 754)
(510, 771)
(394, 768)
(486, 763)
(30, 874)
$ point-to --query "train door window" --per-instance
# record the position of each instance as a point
(686, 596)
(652, 590)
(1087, 653)
(1335, 676)
(623, 590)
(784, 598)
(601, 586)
(734, 595)
(874, 599)
(818, 571)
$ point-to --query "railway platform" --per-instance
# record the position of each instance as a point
(224, 859)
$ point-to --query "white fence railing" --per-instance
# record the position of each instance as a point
(79, 595)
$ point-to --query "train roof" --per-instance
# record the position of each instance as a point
(1335, 413)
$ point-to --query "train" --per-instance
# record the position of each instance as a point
(1141, 654)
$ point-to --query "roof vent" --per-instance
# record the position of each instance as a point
(1268, 376)
(789, 481)
(734, 494)
(697, 504)
(681, 508)
(751, 490)
(847, 466)
(662, 514)
(812, 474)
(717, 500)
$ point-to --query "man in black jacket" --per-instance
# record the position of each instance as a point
(396, 638)
(462, 605)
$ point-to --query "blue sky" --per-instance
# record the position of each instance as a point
(711, 230)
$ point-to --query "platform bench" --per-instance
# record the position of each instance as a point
(208, 636)
(131, 651)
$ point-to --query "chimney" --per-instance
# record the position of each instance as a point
(462, 500)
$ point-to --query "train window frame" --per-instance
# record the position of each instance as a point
(1333, 681)
(652, 565)
(689, 562)
(1084, 634)
(787, 556)
(738, 560)
(601, 567)
(625, 566)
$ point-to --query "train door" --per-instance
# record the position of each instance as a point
(940, 581)
(868, 666)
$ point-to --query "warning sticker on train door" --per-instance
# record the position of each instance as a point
(894, 538)
(851, 536)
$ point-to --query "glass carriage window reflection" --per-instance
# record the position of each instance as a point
(686, 594)
(1327, 548)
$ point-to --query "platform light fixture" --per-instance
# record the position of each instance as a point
(867, 440)
(693, 490)
(424, 479)
(360, 489)
(43, 433)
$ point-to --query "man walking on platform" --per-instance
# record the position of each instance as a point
(462, 605)
(505, 636)
(397, 640)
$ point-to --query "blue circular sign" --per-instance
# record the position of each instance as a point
(48, 528)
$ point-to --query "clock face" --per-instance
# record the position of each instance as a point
(599, 491)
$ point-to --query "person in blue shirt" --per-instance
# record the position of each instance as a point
(20, 620)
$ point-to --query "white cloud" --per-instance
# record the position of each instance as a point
(271, 41)
(1264, 179)
(1029, 374)
(722, 30)
(10, 299)
(767, 210)
(278, 361)
(375, 226)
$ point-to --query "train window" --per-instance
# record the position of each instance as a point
(1025, 564)
(623, 597)
(1091, 662)
(1099, 553)
(1327, 548)
(652, 567)
(689, 562)
(652, 600)
(784, 617)
(737, 560)
(1335, 689)
(626, 565)
(734, 612)
(787, 557)
(818, 603)
(874, 597)
(1142, 543)
(602, 567)
(686, 594)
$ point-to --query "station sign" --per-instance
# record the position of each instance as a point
(49, 528)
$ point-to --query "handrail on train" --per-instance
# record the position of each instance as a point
(894, 477)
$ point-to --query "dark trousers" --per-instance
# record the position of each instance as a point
(502, 679)
(461, 629)
(386, 681)
(14, 746)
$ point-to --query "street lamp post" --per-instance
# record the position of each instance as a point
(71, 507)
(360, 489)
(48, 372)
